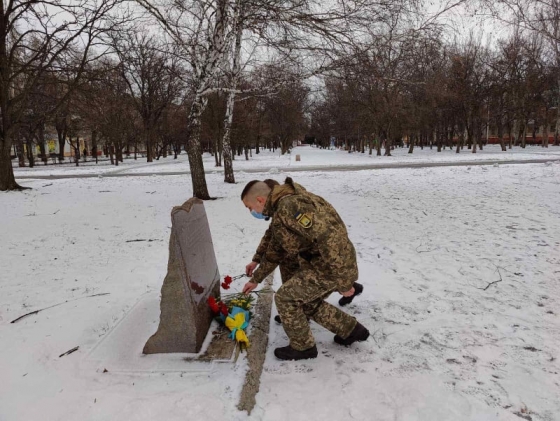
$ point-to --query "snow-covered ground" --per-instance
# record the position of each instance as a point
(448, 342)
(310, 157)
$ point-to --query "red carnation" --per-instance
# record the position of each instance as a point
(224, 309)
(225, 286)
(213, 305)
(228, 279)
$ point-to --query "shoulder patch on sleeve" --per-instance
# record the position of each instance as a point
(303, 219)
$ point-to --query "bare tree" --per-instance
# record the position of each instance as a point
(108, 109)
(208, 30)
(152, 76)
(33, 36)
(541, 17)
(199, 30)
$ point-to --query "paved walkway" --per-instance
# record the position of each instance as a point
(310, 168)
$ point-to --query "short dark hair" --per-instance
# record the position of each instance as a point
(269, 182)
(247, 188)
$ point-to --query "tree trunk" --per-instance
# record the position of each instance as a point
(500, 127)
(76, 151)
(411, 143)
(437, 140)
(119, 151)
(230, 103)
(61, 144)
(158, 153)
(226, 140)
(115, 153)
(218, 164)
(523, 136)
(94, 145)
(388, 143)
(20, 154)
(43, 151)
(460, 141)
(544, 140)
(29, 151)
(477, 135)
(149, 145)
(501, 137)
(516, 132)
(41, 143)
(557, 131)
(198, 177)
(7, 179)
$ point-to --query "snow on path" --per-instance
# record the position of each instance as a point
(310, 157)
(429, 241)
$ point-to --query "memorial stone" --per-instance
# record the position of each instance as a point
(192, 276)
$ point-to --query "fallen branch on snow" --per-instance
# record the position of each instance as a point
(492, 283)
(55, 305)
(69, 351)
(45, 214)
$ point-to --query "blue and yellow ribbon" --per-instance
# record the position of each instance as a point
(237, 321)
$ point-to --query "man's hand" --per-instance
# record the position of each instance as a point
(250, 268)
(249, 286)
(348, 293)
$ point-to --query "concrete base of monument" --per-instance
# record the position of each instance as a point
(120, 350)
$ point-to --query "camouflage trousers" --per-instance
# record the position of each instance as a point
(302, 297)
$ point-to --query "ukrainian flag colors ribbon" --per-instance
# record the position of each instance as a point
(237, 321)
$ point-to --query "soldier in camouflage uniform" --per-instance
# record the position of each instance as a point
(307, 228)
(288, 264)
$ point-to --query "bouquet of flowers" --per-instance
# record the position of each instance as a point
(233, 310)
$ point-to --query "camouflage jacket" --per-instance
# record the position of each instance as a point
(263, 245)
(307, 227)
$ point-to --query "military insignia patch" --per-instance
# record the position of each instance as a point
(304, 220)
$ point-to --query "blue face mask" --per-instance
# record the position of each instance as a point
(257, 215)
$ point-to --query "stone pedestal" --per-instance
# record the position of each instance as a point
(192, 276)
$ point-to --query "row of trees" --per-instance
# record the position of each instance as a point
(232, 75)
(136, 104)
(145, 72)
(431, 92)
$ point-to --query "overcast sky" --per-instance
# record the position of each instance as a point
(463, 19)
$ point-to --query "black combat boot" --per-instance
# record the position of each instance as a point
(358, 289)
(289, 353)
(360, 333)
